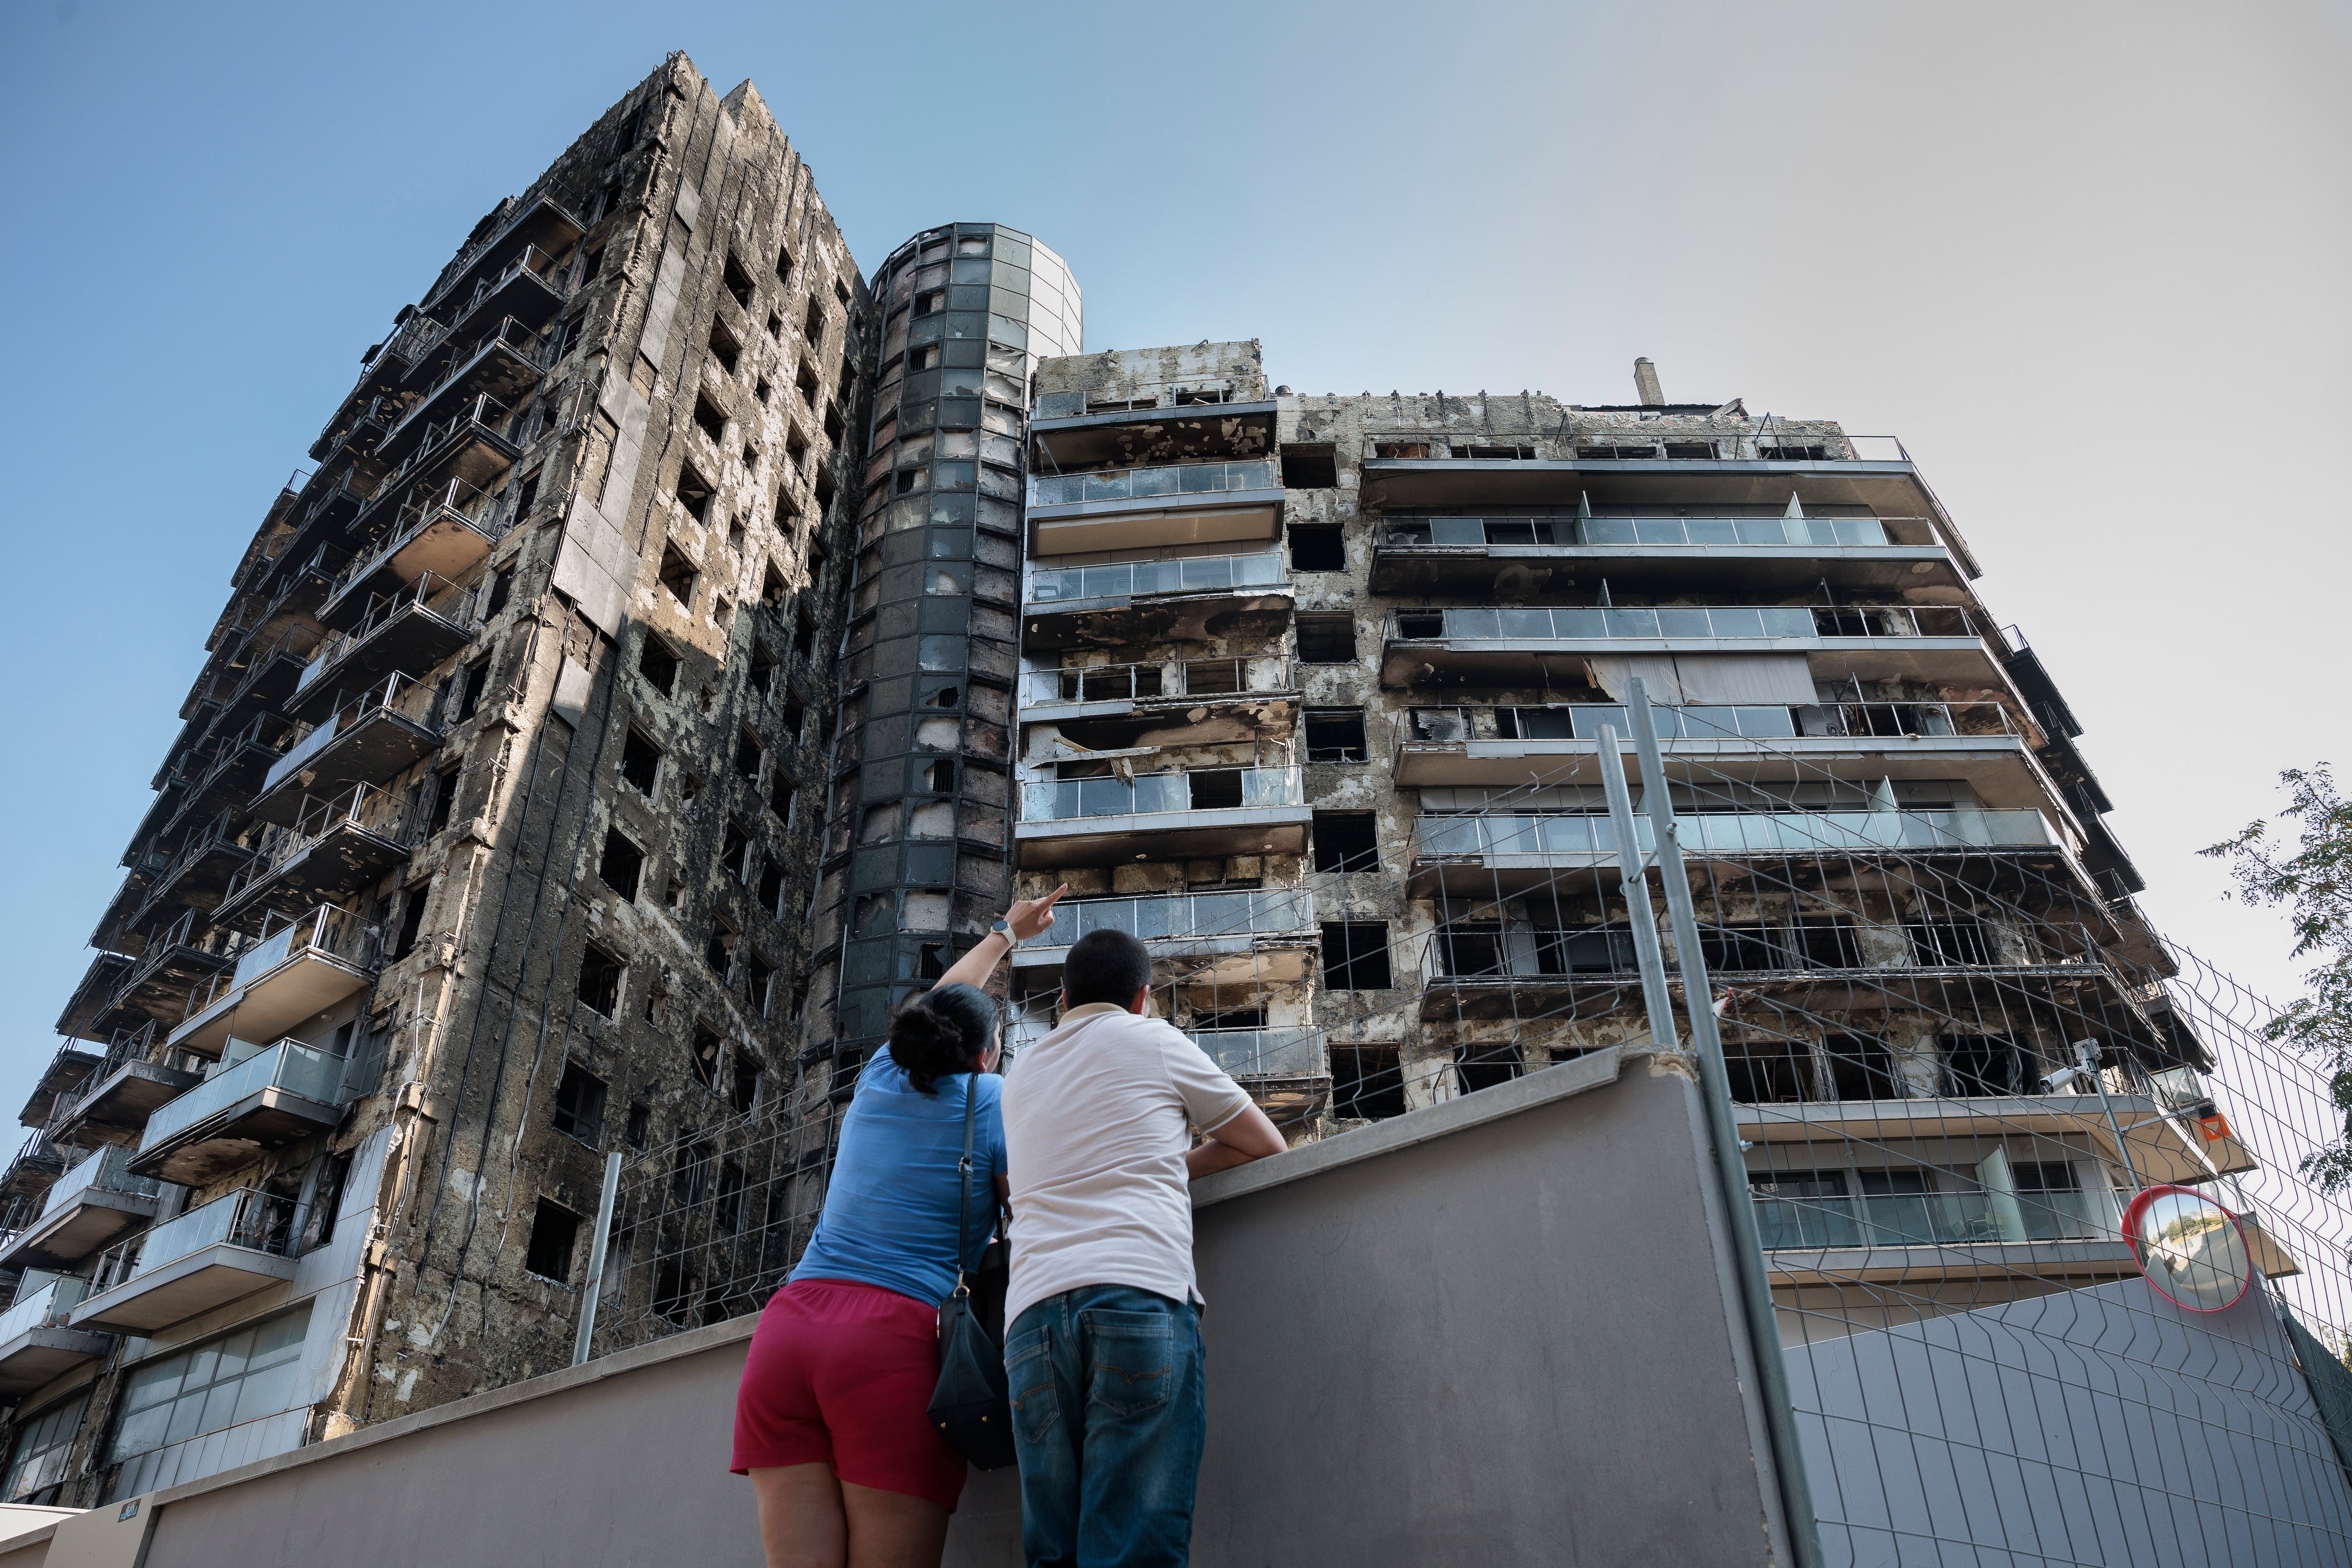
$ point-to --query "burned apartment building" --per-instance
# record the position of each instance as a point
(1312, 692)
(679, 651)
(488, 840)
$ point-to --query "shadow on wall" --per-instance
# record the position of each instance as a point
(1430, 1340)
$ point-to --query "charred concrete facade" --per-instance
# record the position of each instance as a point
(1311, 691)
(489, 839)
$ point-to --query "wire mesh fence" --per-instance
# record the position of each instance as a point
(1953, 1060)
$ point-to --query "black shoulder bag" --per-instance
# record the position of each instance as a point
(969, 1406)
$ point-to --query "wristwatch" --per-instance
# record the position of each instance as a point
(1004, 928)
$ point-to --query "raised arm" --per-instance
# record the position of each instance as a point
(1027, 918)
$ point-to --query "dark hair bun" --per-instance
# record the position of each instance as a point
(941, 1032)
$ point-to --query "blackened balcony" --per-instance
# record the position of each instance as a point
(467, 441)
(37, 1344)
(407, 631)
(291, 971)
(1192, 702)
(1257, 936)
(1486, 853)
(529, 288)
(68, 1070)
(183, 955)
(268, 679)
(1186, 598)
(34, 1167)
(94, 993)
(369, 736)
(327, 520)
(336, 847)
(444, 530)
(1206, 814)
(1509, 644)
(538, 224)
(233, 766)
(267, 1099)
(501, 365)
(1252, 1055)
(85, 1209)
(1154, 508)
(199, 872)
(1502, 747)
(1518, 555)
(222, 1252)
(139, 1073)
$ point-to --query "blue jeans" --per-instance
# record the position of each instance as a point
(1108, 1414)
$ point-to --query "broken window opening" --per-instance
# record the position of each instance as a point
(940, 777)
(694, 491)
(1309, 465)
(657, 1003)
(771, 888)
(760, 983)
(750, 756)
(1367, 1083)
(640, 762)
(1335, 735)
(718, 953)
(703, 1056)
(726, 351)
(621, 865)
(599, 987)
(554, 1237)
(678, 575)
(659, 665)
(709, 419)
(445, 801)
(735, 855)
(1327, 639)
(473, 680)
(640, 1124)
(815, 325)
(1487, 1064)
(738, 282)
(1356, 955)
(1346, 841)
(580, 1105)
(412, 921)
(1317, 547)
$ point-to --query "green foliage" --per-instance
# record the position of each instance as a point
(2312, 880)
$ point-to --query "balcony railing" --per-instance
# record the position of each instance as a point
(1734, 833)
(1558, 532)
(104, 1171)
(1130, 683)
(44, 1309)
(257, 1221)
(454, 500)
(1597, 623)
(351, 709)
(532, 260)
(1766, 444)
(313, 1074)
(1218, 789)
(1701, 721)
(1247, 1054)
(1185, 574)
(324, 932)
(1146, 484)
(1206, 392)
(1486, 949)
(428, 594)
(1935, 1219)
(1179, 917)
(364, 807)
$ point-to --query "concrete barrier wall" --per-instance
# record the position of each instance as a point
(1499, 1329)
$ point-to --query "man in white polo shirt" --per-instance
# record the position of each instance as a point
(1104, 1354)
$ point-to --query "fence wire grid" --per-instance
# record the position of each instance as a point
(1953, 1055)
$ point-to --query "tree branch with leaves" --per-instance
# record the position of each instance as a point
(2312, 880)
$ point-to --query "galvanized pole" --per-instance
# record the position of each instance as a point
(1636, 882)
(1722, 1130)
(594, 1289)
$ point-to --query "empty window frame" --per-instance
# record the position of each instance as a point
(745, 1093)
(711, 421)
(1862, 1069)
(1356, 955)
(750, 756)
(623, 864)
(1485, 1064)
(554, 1238)
(1346, 841)
(694, 491)
(641, 762)
(599, 987)
(726, 351)
(1335, 735)
(1976, 1066)
(1317, 547)
(1366, 1082)
(1327, 639)
(719, 951)
(580, 1105)
(1309, 465)
(412, 920)
(738, 280)
(658, 664)
(639, 1128)
(1769, 1072)
(704, 1054)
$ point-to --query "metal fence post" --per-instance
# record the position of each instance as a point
(1636, 881)
(1723, 1129)
(592, 1290)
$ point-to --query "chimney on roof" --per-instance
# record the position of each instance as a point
(1645, 385)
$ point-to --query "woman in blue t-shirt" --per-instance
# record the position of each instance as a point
(832, 1420)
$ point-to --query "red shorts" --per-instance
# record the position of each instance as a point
(842, 1373)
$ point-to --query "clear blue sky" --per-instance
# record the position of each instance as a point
(2085, 260)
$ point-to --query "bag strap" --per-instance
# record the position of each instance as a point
(963, 1186)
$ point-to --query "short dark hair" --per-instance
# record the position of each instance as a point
(1105, 966)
